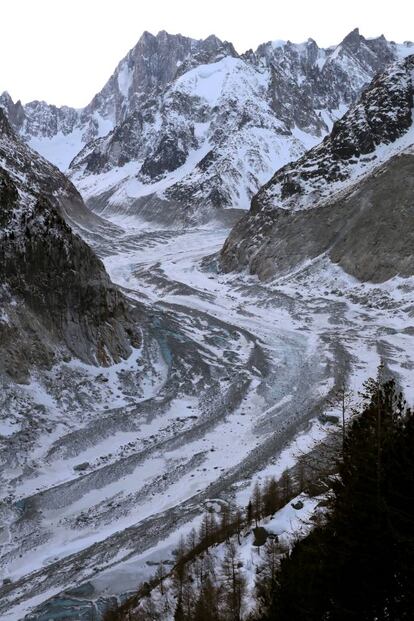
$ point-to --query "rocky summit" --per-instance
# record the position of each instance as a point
(59, 133)
(216, 131)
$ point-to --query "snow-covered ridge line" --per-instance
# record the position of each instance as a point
(59, 133)
(297, 70)
(213, 124)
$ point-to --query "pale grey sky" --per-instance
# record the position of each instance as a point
(63, 51)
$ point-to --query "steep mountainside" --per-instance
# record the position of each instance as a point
(149, 67)
(349, 197)
(55, 293)
(220, 380)
(307, 80)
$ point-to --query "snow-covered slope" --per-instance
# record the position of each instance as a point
(309, 83)
(56, 133)
(348, 197)
(239, 368)
(208, 142)
(103, 467)
(377, 127)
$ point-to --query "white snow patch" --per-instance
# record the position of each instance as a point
(207, 81)
(124, 79)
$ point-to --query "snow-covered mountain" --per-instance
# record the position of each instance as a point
(348, 197)
(59, 133)
(207, 142)
(56, 297)
(185, 128)
(217, 132)
(104, 466)
(308, 81)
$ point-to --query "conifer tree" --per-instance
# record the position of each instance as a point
(180, 570)
(286, 486)
(160, 576)
(271, 496)
(249, 513)
(359, 565)
(234, 584)
(179, 612)
(225, 518)
(257, 503)
(207, 605)
(266, 580)
(238, 523)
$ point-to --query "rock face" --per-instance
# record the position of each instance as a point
(382, 115)
(56, 298)
(149, 67)
(349, 197)
(185, 129)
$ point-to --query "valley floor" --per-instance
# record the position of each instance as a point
(104, 468)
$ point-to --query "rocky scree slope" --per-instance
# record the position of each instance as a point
(56, 298)
(350, 197)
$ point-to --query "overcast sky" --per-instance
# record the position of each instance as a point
(63, 51)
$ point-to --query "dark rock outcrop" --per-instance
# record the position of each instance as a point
(381, 116)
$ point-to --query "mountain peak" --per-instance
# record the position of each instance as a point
(353, 39)
(353, 34)
(146, 35)
(163, 35)
(213, 39)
